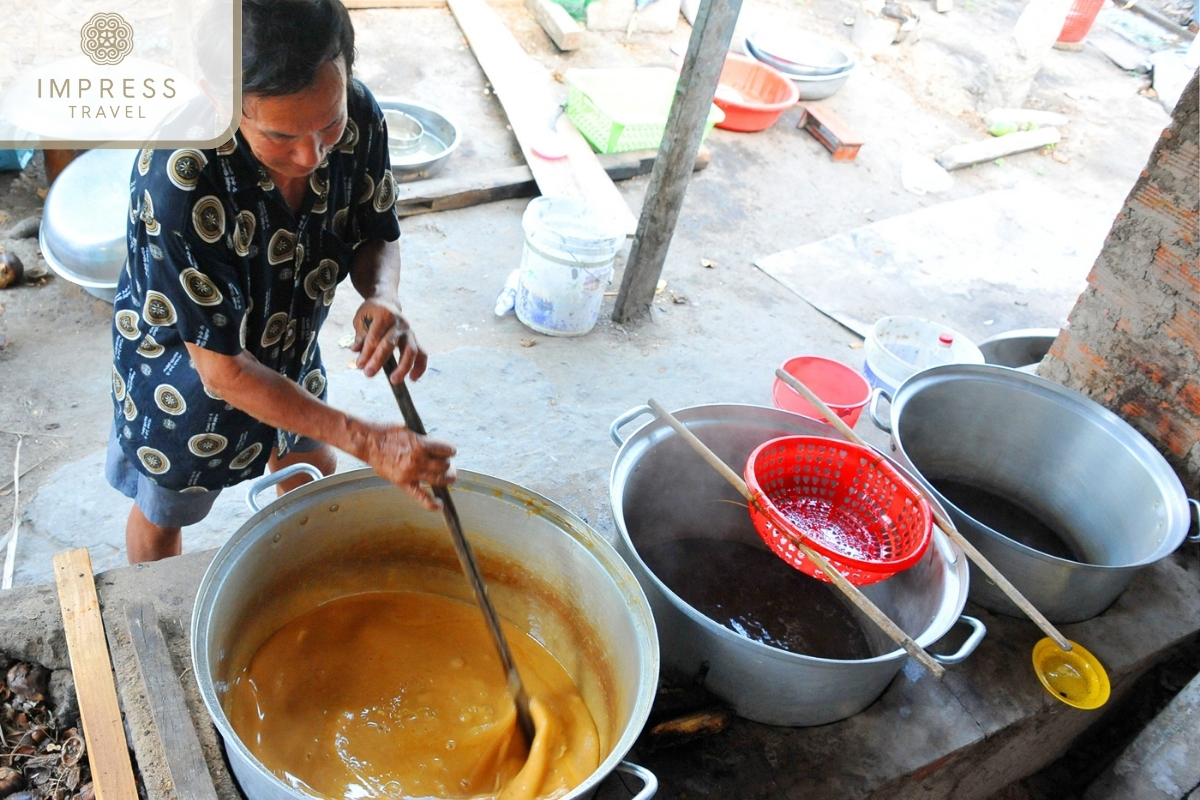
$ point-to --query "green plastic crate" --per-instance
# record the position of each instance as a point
(618, 110)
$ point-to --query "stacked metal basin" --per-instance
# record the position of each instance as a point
(815, 64)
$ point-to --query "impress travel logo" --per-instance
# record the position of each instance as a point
(161, 73)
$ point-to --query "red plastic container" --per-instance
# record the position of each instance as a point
(1079, 20)
(752, 94)
(842, 388)
(844, 501)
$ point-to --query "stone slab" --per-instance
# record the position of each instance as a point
(1161, 762)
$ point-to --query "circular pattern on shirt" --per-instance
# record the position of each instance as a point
(320, 185)
(156, 252)
(169, 400)
(118, 385)
(385, 195)
(157, 310)
(200, 288)
(229, 147)
(208, 218)
(276, 325)
(339, 222)
(264, 180)
(207, 444)
(282, 246)
(368, 190)
(147, 214)
(289, 336)
(244, 225)
(328, 298)
(314, 383)
(184, 167)
(193, 490)
(149, 348)
(129, 409)
(144, 159)
(321, 279)
(244, 458)
(127, 324)
(209, 392)
(349, 138)
(299, 259)
(155, 462)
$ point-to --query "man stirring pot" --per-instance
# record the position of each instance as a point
(234, 257)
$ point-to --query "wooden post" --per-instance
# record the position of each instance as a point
(702, 65)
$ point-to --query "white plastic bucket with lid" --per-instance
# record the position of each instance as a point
(566, 264)
(899, 347)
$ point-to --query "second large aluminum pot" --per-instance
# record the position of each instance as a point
(1073, 463)
(660, 489)
(547, 572)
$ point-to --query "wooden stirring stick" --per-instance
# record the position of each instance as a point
(943, 522)
(839, 580)
(466, 557)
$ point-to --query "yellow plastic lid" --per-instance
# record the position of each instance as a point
(1075, 676)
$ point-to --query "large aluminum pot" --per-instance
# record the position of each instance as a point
(660, 489)
(1072, 463)
(547, 572)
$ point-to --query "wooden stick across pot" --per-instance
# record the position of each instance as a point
(943, 522)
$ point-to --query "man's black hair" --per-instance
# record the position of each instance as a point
(284, 42)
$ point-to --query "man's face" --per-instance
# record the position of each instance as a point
(292, 134)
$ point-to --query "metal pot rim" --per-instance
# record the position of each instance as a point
(569, 523)
(1118, 428)
(931, 634)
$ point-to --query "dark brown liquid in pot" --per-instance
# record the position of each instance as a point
(753, 592)
(1006, 517)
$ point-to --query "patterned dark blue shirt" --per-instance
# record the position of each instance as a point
(217, 259)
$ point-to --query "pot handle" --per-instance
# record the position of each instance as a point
(1195, 538)
(648, 779)
(278, 476)
(877, 393)
(968, 646)
(624, 420)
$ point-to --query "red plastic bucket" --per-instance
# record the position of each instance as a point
(842, 388)
(1079, 20)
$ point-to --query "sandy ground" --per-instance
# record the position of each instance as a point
(538, 415)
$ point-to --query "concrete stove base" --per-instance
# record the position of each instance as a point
(988, 723)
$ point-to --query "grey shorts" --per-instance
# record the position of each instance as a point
(167, 508)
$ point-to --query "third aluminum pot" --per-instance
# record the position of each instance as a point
(1066, 499)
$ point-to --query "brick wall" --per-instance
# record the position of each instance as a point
(1133, 340)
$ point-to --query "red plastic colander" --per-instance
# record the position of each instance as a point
(844, 501)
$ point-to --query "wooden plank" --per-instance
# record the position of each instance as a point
(108, 752)
(528, 93)
(359, 4)
(964, 155)
(443, 194)
(181, 746)
(694, 93)
(562, 29)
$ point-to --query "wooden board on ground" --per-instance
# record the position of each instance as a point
(982, 265)
(527, 91)
(181, 746)
(443, 194)
(103, 729)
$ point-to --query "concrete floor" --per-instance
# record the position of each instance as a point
(539, 415)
